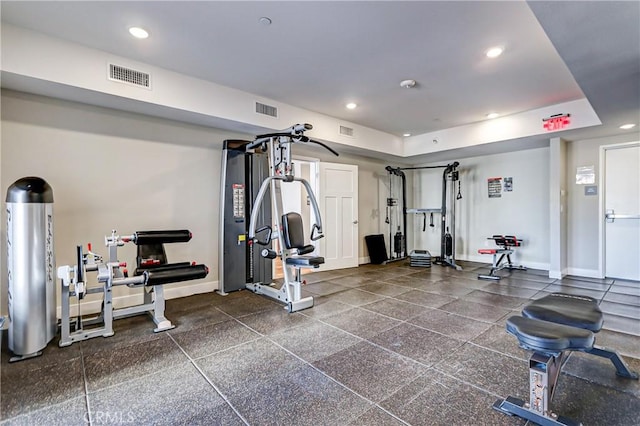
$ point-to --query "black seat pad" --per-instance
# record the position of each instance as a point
(309, 261)
(567, 309)
(548, 337)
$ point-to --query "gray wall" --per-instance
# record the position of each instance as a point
(115, 170)
(523, 212)
(582, 230)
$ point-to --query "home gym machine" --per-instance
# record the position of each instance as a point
(152, 273)
(397, 244)
(241, 264)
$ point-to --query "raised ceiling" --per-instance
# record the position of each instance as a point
(320, 55)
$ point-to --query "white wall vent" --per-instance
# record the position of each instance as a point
(129, 76)
(265, 109)
(346, 131)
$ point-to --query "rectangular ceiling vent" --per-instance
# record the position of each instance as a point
(346, 131)
(265, 109)
(129, 76)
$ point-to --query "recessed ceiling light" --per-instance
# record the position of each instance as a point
(492, 115)
(408, 84)
(265, 21)
(138, 32)
(627, 126)
(351, 105)
(494, 52)
(406, 135)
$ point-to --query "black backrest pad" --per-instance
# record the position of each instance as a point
(151, 251)
(567, 309)
(293, 230)
(511, 241)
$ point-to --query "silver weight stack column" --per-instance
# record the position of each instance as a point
(30, 267)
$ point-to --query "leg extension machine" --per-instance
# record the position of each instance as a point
(152, 273)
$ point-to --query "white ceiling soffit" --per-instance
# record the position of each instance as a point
(600, 43)
(319, 55)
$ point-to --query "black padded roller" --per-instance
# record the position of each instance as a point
(168, 275)
(166, 266)
(162, 237)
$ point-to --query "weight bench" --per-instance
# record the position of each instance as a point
(501, 255)
(551, 327)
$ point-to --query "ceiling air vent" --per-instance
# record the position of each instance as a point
(130, 76)
(265, 109)
(346, 131)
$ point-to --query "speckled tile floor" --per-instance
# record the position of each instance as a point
(383, 345)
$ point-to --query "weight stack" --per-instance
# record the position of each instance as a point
(420, 258)
(30, 266)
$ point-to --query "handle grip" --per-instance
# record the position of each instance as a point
(315, 236)
(268, 254)
(266, 240)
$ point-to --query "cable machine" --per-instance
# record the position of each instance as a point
(397, 243)
(396, 214)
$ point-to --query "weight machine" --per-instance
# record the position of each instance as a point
(152, 273)
(245, 194)
(397, 242)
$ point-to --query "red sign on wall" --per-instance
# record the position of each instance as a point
(556, 122)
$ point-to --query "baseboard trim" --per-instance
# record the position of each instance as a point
(364, 260)
(587, 273)
(170, 292)
(488, 259)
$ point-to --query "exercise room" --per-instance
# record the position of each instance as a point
(320, 213)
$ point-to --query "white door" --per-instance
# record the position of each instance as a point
(339, 209)
(622, 212)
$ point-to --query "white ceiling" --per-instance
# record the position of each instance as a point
(320, 55)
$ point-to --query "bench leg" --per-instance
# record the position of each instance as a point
(544, 370)
(517, 407)
(162, 323)
(622, 369)
(513, 267)
(494, 267)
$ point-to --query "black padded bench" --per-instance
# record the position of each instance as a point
(551, 327)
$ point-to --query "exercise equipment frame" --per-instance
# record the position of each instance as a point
(284, 227)
(151, 274)
(447, 216)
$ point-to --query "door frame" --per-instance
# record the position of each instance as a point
(601, 204)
